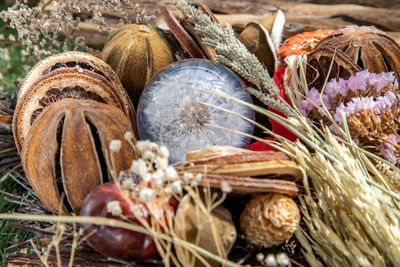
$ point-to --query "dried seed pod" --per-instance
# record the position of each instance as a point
(192, 224)
(70, 60)
(258, 41)
(187, 42)
(366, 47)
(67, 75)
(67, 150)
(270, 219)
(319, 69)
(136, 53)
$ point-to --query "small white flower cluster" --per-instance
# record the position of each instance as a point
(191, 179)
(114, 208)
(272, 260)
(152, 167)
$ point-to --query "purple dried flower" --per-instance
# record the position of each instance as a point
(393, 138)
(314, 96)
(334, 88)
(305, 106)
(388, 150)
(356, 84)
(370, 104)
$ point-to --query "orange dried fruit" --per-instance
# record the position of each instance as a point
(67, 150)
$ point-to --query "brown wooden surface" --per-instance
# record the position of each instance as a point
(302, 15)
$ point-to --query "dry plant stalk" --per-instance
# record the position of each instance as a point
(353, 239)
(55, 243)
(352, 223)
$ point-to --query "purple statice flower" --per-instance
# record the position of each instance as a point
(314, 100)
(388, 150)
(336, 87)
(359, 81)
(378, 105)
(305, 106)
(314, 96)
(385, 102)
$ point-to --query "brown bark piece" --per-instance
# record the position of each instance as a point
(249, 185)
(186, 41)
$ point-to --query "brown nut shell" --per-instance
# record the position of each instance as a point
(67, 150)
(60, 84)
(136, 53)
(270, 219)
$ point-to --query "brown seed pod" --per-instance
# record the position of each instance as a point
(319, 66)
(366, 47)
(57, 85)
(192, 224)
(71, 60)
(67, 150)
(270, 219)
(67, 75)
(136, 53)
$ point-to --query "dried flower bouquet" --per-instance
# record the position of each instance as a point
(350, 199)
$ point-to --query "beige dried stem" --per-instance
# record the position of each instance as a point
(346, 196)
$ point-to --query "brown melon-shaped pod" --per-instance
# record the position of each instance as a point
(319, 66)
(60, 84)
(67, 150)
(366, 47)
(136, 53)
(371, 49)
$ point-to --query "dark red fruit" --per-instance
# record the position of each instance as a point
(117, 242)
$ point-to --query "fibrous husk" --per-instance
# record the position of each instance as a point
(208, 230)
(67, 150)
(137, 52)
(319, 67)
(365, 47)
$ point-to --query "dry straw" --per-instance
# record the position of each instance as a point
(350, 206)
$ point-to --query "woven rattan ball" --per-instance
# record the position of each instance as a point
(270, 219)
